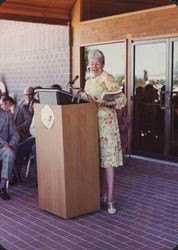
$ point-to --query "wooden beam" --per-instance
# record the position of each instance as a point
(48, 4)
(34, 19)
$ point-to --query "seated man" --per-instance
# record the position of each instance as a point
(21, 114)
(9, 139)
(29, 99)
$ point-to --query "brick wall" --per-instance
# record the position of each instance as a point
(33, 54)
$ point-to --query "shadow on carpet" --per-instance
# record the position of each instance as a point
(175, 248)
(2, 248)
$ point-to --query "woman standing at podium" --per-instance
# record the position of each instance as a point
(109, 138)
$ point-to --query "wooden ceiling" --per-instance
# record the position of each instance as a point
(44, 11)
(59, 11)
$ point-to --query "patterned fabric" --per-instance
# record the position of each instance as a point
(109, 136)
(124, 124)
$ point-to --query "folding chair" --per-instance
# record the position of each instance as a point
(31, 157)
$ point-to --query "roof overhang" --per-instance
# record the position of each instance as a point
(59, 11)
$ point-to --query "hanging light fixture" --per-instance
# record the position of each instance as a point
(2, 1)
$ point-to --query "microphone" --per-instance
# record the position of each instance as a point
(73, 81)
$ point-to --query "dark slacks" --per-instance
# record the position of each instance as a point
(24, 149)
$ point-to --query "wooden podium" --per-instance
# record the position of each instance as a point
(68, 160)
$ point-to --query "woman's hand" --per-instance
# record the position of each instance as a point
(104, 103)
(101, 103)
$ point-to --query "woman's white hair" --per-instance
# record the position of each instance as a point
(96, 53)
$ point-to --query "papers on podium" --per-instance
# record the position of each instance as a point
(110, 96)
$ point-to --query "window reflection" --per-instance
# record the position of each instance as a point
(149, 97)
(150, 66)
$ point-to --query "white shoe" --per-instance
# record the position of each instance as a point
(111, 208)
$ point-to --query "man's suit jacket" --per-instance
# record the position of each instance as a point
(22, 118)
(30, 105)
(8, 131)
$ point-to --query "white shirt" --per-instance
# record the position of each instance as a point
(32, 127)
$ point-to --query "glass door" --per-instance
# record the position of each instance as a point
(174, 99)
(150, 98)
(155, 99)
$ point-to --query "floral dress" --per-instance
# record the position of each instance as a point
(109, 136)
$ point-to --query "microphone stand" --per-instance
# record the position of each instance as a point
(70, 83)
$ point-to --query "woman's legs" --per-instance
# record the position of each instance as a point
(107, 174)
(102, 181)
(103, 192)
(110, 183)
(107, 177)
(110, 188)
